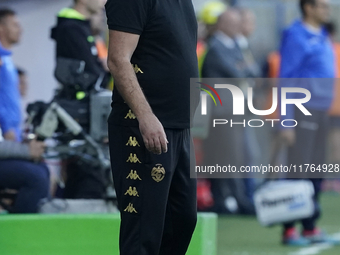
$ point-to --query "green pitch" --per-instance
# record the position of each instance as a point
(98, 234)
(64, 234)
(245, 236)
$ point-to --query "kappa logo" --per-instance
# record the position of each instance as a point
(133, 159)
(158, 173)
(137, 69)
(130, 115)
(132, 142)
(133, 175)
(132, 192)
(130, 208)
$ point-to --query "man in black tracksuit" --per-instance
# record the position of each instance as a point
(152, 56)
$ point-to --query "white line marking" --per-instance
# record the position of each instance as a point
(313, 250)
(316, 248)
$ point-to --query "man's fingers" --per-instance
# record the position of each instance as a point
(157, 145)
(154, 136)
(164, 143)
(146, 143)
(151, 145)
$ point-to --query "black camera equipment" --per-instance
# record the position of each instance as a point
(76, 125)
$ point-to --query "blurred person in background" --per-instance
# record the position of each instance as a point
(75, 40)
(224, 59)
(23, 84)
(307, 52)
(17, 170)
(23, 88)
(207, 21)
(10, 106)
(334, 112)
(207, 26)
(3, 53)
(248, 25)
(209, 16)
(98, 29)
(21, 170)
(252, 147)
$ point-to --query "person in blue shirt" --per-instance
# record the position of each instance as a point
(21, 168)
(3, 53)
(307, 54)
(10, 112)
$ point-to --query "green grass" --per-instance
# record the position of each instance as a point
(245, 236)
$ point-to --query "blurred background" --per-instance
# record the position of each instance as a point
(38, 16)
(239, 231)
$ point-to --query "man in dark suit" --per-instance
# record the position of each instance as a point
(224, 59)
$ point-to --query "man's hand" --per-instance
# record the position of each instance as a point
(153, 134)
(288, 136)
(37, 149)
(10, 136)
